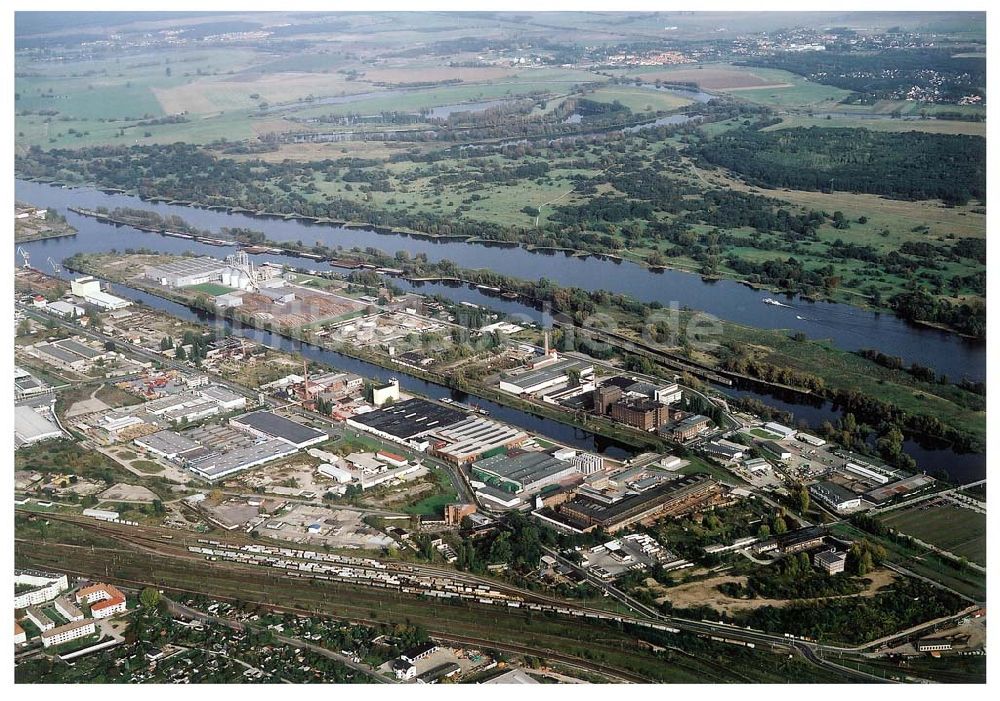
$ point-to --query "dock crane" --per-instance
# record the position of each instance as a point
(25, 256)
(55, 266)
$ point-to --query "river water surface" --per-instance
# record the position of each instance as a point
(845, 327)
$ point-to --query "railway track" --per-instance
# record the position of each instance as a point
(158, 541)
(440, 634)
(175, 543)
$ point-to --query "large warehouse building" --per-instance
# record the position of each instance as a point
(186, 272)
(524, 472)
(213, 461)
(546, 377)
(214, 465)
(89, 290)
(473, 438)
(31, 427)
(265, 424)
(833, 495)
(407, 421)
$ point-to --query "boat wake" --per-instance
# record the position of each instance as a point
(775, 303)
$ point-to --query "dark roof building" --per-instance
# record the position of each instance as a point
(619, 381)
(671, 499)
(408, 419)
(418, 652)
(447, 669)
(835, 496)
(780, 451)
(267, 424)
(640, 412)
(793, 541)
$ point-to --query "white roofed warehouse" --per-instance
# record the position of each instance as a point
(31, 427)
(473, 438)
(186, 272)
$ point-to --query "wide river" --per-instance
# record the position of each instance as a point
(844, 326)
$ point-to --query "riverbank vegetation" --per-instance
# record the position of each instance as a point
(636, 195)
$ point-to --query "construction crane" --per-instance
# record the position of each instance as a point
(26, 256)
(55, 266)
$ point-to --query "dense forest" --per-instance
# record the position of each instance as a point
(886, 75)
(906, 165)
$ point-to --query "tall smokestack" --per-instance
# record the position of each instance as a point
(546, 334)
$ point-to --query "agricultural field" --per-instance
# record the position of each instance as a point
(952, 528)
(528, 82)
(795, 92)
(216, 94)
(711, 76)
(204, 95)
(106, 100)
(766, 86)
(911, 108)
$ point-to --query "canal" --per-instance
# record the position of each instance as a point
(847, 327)
(95, 237)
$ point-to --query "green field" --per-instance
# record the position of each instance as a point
(798, 93)
(445, 95)
(211, 288)
(700, 466)
(431, 506)
(923, 562)
(952, 528)
(639, 99)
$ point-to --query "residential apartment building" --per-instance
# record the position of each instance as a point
(70, 631)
